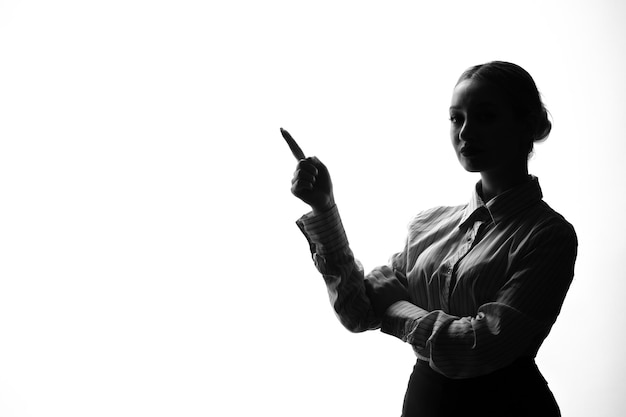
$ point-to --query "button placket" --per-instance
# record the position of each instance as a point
(470, 241)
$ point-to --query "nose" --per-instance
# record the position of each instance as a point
(466, 132)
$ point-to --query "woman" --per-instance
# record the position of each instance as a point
(477, 287)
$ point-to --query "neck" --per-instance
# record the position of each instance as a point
(497, 181)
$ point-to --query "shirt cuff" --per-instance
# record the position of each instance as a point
(324, 231)
(399, 318)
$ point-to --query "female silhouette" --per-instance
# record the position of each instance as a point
(477, 287)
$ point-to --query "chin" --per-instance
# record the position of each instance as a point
(471, 167)
(477, 164)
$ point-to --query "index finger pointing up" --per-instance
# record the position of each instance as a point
(295, 149)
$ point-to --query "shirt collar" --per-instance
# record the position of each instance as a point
(506, 204)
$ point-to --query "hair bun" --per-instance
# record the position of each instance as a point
(543, 125)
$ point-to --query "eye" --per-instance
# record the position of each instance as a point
(455, 119)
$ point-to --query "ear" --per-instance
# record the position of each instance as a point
(525, 137)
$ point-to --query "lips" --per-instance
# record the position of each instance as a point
(469, 151)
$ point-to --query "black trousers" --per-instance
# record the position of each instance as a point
(518, 390)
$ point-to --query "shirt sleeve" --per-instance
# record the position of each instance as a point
(520, 316)
(343, 274)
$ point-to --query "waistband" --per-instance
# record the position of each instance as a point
(523, 368)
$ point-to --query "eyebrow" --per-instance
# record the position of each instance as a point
(481, 104)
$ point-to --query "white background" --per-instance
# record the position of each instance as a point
(149, 260)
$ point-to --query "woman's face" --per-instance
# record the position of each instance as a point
(484, 132)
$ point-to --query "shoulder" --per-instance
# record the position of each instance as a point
(436, 217)
(551, 226)
(553, 220)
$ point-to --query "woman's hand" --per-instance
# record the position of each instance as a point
(385, 287)
(311, 183)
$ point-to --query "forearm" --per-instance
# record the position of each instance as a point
(461, 347)
(342, 274)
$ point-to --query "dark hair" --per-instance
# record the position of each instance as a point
(520, 87)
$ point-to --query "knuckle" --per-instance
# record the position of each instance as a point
(310, 169)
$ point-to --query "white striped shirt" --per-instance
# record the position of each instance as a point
(486, 281)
